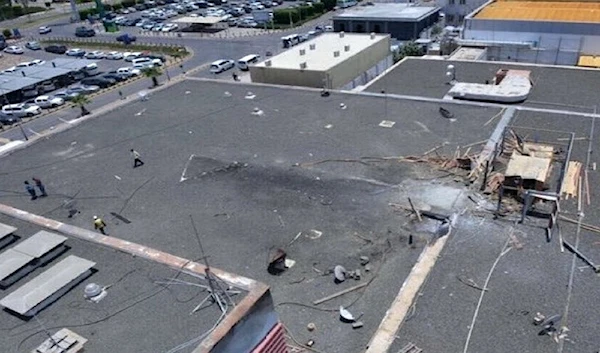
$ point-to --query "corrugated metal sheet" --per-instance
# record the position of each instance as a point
(274, 342)
(588, 12)
(589, 61)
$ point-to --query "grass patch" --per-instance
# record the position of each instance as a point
(173, 51)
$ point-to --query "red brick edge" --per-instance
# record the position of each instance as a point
(274, 342)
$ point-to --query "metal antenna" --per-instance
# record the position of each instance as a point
(215, 289)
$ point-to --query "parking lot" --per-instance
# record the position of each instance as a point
(90, 72)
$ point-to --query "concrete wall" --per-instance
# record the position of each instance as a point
(358, 63)
(251, 330)
(370, 74)
(290, 77)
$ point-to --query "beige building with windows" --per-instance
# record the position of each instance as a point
(331, 60)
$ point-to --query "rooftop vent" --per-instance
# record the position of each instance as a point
(336, 53)
(346, 48)
(303, 65)
(372, 35)
(302, 51)
(312, 46)
(342, 34)
(268, 63)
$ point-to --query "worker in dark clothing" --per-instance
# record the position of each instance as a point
(40, 186)
(99, 224)
(235, 76)
(137, 161)
(30, 190)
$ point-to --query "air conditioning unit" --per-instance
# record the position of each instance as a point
(312, 46)
(302, 51)
(346, 48)
(303, 66)
(268, 63)
(336, 53)
(342, 34)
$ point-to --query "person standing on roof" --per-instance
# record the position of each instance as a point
(99, 224)
(30, 190)
(137, 161)
(40, 186)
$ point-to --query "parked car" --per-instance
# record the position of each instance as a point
(47, 86)
(114, 55)
(6, 119)
(56, 49)
(221, 65)
(33, 45)
(10, 70)
(126, 38)
(142, 63)
(25, 64)
(44, 30)
(170, 27)
(66, 95)
(98, 81)
(129, 56)
(48, 102)
(38, 62)
(83, 89)
(128, 71)
(14, 49)
(21, 110)
(84, 32)
(162, 58)
(114, 76)
(96, 54)
(76, 52)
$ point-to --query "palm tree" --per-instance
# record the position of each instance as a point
(80, 101)
(152, 72)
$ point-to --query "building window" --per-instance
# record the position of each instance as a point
(462, 2)
(461, 18)
(377, 29)
(450, 2)
(359, 28)
(450, 18)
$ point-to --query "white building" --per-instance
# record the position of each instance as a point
(331, 60)
(546, 32)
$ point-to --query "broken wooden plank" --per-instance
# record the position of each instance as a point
(585, 226)
(569, 183)
(415, 210)
(340, 293)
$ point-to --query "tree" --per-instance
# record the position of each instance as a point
(80, 101)
(152, 72)
(408, 49)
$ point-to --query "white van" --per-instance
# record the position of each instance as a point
(247, 60)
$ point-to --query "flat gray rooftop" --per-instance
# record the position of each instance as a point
(387, 11)
(300, 184)
(244, 213)
(557, 88)
(144, 311)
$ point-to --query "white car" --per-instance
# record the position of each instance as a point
(96, 54)
(221, 65)
(38, 62)
(75, 52)
(21, 110)
(14, 49)
(141, 63)
(48, 102)
(114, 55)
(169, 27)
(25, 64)
(44, 30)
(129, 71)
(10, 70)
(129, 56)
